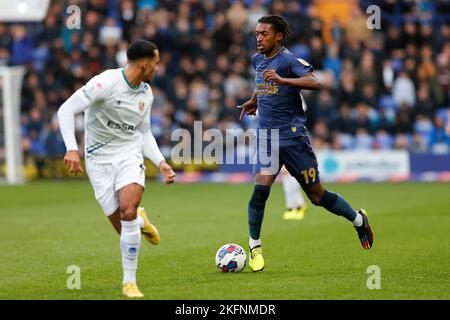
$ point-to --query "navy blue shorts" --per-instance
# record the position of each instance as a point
(295, 153)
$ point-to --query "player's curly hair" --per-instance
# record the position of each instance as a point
(279, 24)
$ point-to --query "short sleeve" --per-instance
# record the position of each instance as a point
(254, 57)
(96, 89)
(299, 67)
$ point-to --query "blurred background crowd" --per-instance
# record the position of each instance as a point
(382, 89)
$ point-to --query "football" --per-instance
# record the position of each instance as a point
(231, 257)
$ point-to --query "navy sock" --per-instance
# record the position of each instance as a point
(337, 205)
(256, 210)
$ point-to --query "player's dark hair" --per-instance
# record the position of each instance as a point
(279, 24)
(139, 49)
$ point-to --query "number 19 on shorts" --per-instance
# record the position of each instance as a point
(309, 175)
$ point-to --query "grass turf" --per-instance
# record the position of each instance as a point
(47, 226)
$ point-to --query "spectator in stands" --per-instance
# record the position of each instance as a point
(22, 46)
(403, 90)
(440, 137)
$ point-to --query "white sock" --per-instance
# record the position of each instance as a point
(130, 239)
(358, 220)
(292, 192)
(140, 221)
(254, 243)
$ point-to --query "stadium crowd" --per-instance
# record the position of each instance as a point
(382, 89)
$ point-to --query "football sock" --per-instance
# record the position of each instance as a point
(337, 205)
(256, 209)
(292, 192)
(130, 239)
(254, 243)
(358, 220)
(140, 221)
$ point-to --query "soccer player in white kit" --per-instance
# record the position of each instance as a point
(295, 203)
(117, 105)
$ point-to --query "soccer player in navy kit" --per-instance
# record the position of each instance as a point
(279, 78)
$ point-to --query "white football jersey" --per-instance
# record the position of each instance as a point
(115, 114)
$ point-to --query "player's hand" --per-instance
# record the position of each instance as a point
(248, 107)
(271, 75)
(167, 172)
(72, 162)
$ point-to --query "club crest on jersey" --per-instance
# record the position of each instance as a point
(303, 62)
(141, 106)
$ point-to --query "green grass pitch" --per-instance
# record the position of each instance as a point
(47, 226)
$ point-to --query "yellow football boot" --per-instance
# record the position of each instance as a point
(256, 260)
(298, 214)
(131, 290)
(149, 231)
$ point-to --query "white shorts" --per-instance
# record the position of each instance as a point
(108, 178)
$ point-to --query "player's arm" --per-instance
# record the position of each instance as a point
(151, 151)
(66, 116)
(95, 90)
(249, 106)
(300, 75)
(307, 81)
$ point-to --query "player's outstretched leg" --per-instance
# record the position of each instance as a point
(336, 204)
(255, 218)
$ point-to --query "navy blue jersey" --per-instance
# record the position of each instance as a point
(280, 107)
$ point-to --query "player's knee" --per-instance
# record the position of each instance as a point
(259, 196)
(323, 198)
(128, 212)
(315, 197)
(315, 200)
